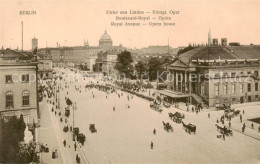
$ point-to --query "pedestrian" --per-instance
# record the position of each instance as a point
(154, 131)
(243, 112)
(113, 108)
(229, 124)
(64, 143)
(75, 146)
(224, 137)
(208, 115)
(252, 126)
(151, 145)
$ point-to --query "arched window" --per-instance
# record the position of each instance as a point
(9, 97)
(25, 96)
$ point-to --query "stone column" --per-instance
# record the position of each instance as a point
(168, 80)
(171, 82)
(181, 81)
(176, 84)
(185, 82)
(190, 88)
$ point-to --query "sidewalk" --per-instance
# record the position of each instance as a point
(51, 133)
(253, 133)
(46, 135)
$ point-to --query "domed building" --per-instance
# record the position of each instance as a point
(105, 41)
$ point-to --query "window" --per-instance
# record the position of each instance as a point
(216, 90)
(256, 73)
(233, 89)
(8, 79)
(233, 74)
(202, 89)
(25, 78)
(217, 75)
(9, 99)
(248, 87)
(241, 87)
(25, 98)
(249, 99)
(225, 90)
(249, 72)
(225, 74)
(256, 97)
(256, 86)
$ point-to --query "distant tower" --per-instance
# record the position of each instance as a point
(34, 43)
(86, 43)
(105, 41)
(209, 38)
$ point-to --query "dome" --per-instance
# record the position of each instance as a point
(105, 36)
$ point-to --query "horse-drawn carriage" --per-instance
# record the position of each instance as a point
(167, 126)
(176, 117)
(222, 107)
(81, 138)
(92, 128)
(67, 112)
(231, 113)
(156, 107)
(189, 128)
(224, 130)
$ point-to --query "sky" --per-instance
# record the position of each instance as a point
(70, 22)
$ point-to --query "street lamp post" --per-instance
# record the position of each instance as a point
(74, 107)
(59, 97)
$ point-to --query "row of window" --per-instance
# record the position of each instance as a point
(234, 74)
(9, 78)
(9, 97)
(233, 88)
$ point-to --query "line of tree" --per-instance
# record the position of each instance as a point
(124, 64)
(148, 70)
(83, 67)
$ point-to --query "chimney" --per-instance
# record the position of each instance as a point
(22, 35)
(224, 41)
(215, 42)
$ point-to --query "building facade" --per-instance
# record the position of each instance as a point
(18, 87)
(217, 75)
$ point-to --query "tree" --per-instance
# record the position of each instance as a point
(12, 134)
(123, 65)
(27, 153)
(154, 66)
(140, 68)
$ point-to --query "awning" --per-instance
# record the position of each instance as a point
(172, 94)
